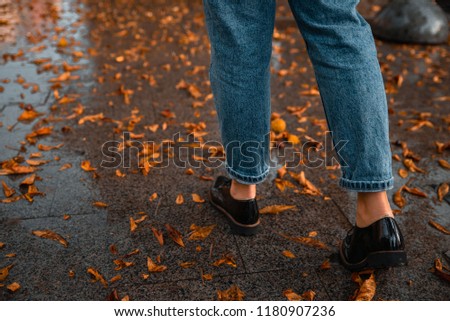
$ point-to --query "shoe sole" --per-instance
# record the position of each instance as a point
(376, 260)
(236, 227)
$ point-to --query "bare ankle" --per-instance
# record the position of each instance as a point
(242, 191)
(372, 206)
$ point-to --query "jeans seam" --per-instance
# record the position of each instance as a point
(367, 186)
(245, 179)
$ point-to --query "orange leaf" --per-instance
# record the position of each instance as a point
(86, 165)
(13, 287)
(48, 234)
(275, 209)
(96, 276)
(65, 166)
(443, 190)
(100, 204)
(226, 259)
(4, 272)
(439, 227)
(197, 199)
(8, 191)
(288, 254)
(231, 294)
(159, 236)
(367, 288)
(153, 267)
(180, 199)
(174, 235)
(200, 233)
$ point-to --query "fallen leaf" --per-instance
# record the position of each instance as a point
(367, 288)
(4, 272)
(197, 199)
(288, 254)
(307, 241)
(444, 163)
(133, 225)
(47, 148)
(231, 294)
(275, 209)
(291, 295)
(13, 287)
(8, 191)
(443, 190)
(48, 234)
(186, 265)
(174, 235)
(99, 204)
(179, 199)
(399, 200)
(159, 236)
(86, 165)
(199, 232)
(415, 191)
(439, 270)
(115, 278)
(153, 197)
(96, 276)
(65, 166)
(91, 118)
(28, 115)
(439, 227)
(409, 163)
(29, 180)
(226, 259)
(153, 267)
(325, 265)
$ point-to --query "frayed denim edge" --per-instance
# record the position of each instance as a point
(367, 186)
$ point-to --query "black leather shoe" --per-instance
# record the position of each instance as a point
(242, 215)
(378, 245)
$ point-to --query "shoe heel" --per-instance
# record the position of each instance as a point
(246, 231)
(386, 259)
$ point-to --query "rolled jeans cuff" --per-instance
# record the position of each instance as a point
(367, 186)
(246, 179)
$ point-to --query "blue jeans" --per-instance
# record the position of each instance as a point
(341, 47)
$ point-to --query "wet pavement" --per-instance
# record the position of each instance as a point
(93, 70)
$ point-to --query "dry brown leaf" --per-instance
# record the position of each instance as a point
(439, 227)
(4, 272)
(291, 295)
(48, 234)
(275, 209)
(231, 294)
(288, 254)
(13, 287)
(115, 278)
(399, 200)
(197, 199)
(91, 118)
(28, 115)
(199, 232)
(186, 265)
(226, 259)
(443, 190)
(439, 270)
(307, 241)
(153, 267)
(153, 197)
(65, 166)
(86, 166)
(100, 204)
(325, 265)
(444, 163)
(37, 162)
(120, 264)
(47, 148)
(28, 180)
(415, 191)
(8, 191)
(96, 276)
(180, 199)
(133, 225)
(174, 235)
(409, 163)
(367, 288)
(403, 173)
(159, 236)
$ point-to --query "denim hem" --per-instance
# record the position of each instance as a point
(244, 179)
(367, 186)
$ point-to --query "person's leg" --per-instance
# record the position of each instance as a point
(240, 33)
(342, 50)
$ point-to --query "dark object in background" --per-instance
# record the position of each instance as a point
(411, 21)
(445, 4)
